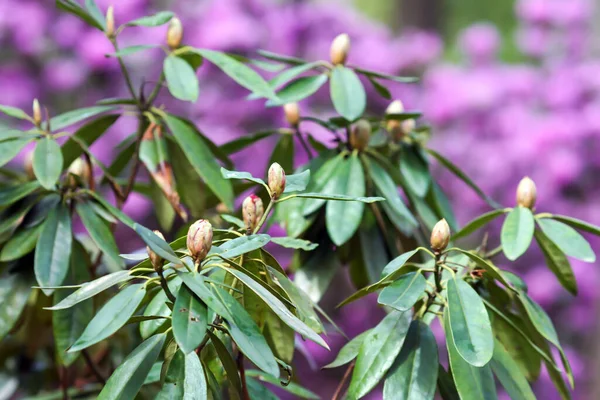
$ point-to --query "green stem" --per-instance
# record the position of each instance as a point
(125, 73)
(165, 287)
(264, 217)
(156, 90)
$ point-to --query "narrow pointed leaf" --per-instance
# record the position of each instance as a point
(507, 372)
(292, 387)
(241, 245)
(10, 148)
(47, 162)
(194, 383)
(349, 351)
(23, 242)
(229, 365)
(293, 243)
(567, 239)
(72, 117)
(100, 233)
(517, 232)
(557, 262)
(240, 175)
(14, 292)
(398, 262)
(577, 223)
(347, 93)
(477, 223)
(181, 79)
(10, 194)
(415, 171)
(190, 319)
(158, 245)
(157, 19)
(15, 112)
(297, 182)
(403, 293)
(490, 268)
(88, 134)
(298, 90)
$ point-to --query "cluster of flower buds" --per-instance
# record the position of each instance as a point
(292, 114)
(526, 193)
(79, 170)
(276, 180)
(37, 113)
(440, 236)
(199, 240)
(398, 129)
(157, 261)
(109, 30)
(174, 33)
(340, 46)
(360, 135)
(252, 212)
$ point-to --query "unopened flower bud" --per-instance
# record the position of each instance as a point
(174, 33)
(109, 31)
(292, 113)
(156, 260)
(340, 46)
(80, 169)
(37, 113)
(408, 126)
(526, 193)
(360, 135)
(199, 239)
(393, 125)
(252, 211)
(29, 165)
(440, 236)
(276, 180)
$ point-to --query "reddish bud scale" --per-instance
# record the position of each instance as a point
(156, 260)
(360, 135)
(276, 180)
(199, 239)
(252, 211)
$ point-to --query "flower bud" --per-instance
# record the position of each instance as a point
(276, 180)
(394, 126)
(109, 31)
(292, 113)
(440, 236)
(80, 169)
(252, 211)
(174, 33)
(37, 113)
(526, 193)
(199, 239)
(360, 135)
(408, 126)
(156, 260)
(29, 165)
(340, 46)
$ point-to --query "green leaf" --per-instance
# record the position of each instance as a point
(15, 112)
(194, 383)
(415, 171)
(398, 262)
(72, 117)
(53, 250)
(125, 51)
(47, 162)
(292, 387)
(258, 391)
(399, 214)
(477, 223)
(279, 336)
(241, 245)
(172, 375)
(201, 158)
(469, 323)
(195, 283)
(293, 243)
(225, 173)
(321, 182)
(241, 143)
(380, 89)
(88, 134)
(577, 223)
(239, 72)
(100, 234)
(228, 363)
(567, 239)
(95, 13)
(158, 245)
(68, 325)
(181, 79)
(246, 334)
(343, 218)
(347, 93)
(557, 262)
(316, 274)
(517, 232)
(129, 376)
(10, 148)
(349, 351)
(297, 182)
(157, 19)
(403, 293)
(233, 220)
(91, 289)
(378, 352)
(471, 382)
(507, 371)
(283, 153)
(14, 292)
(335, 197)
(10, 194)
(281, 58)
(190, 319)
(446, 385)
(112, 316)
(279, 308)
(20, 243)
(462, 176)
(490, 268)
(298, 90)
(412, 375)
(373, 74)
(158, 307)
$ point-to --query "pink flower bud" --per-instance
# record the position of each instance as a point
(360, 135)
(276, 180)
(199, 239)
(156, 260)
(110, 23)
(174, 33)
(340, 46)
(80, 169)
(252, 211)
(440, 236)
(292, 113)
(526, 193)
(37, 113)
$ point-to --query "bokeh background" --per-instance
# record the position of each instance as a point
(511, 88)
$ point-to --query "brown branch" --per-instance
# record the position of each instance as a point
(240, 365)
(338, 392)
(92, 365)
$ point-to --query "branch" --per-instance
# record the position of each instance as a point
(240, 365)
(93, 366)
(338, 392)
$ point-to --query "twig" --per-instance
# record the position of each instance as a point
(136, 163)
(304, 144)
(64, 382)
(165, 286)
(338, 392)
(240, 365)
(93, 366)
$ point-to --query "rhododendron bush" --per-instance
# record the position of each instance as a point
(309, 226)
